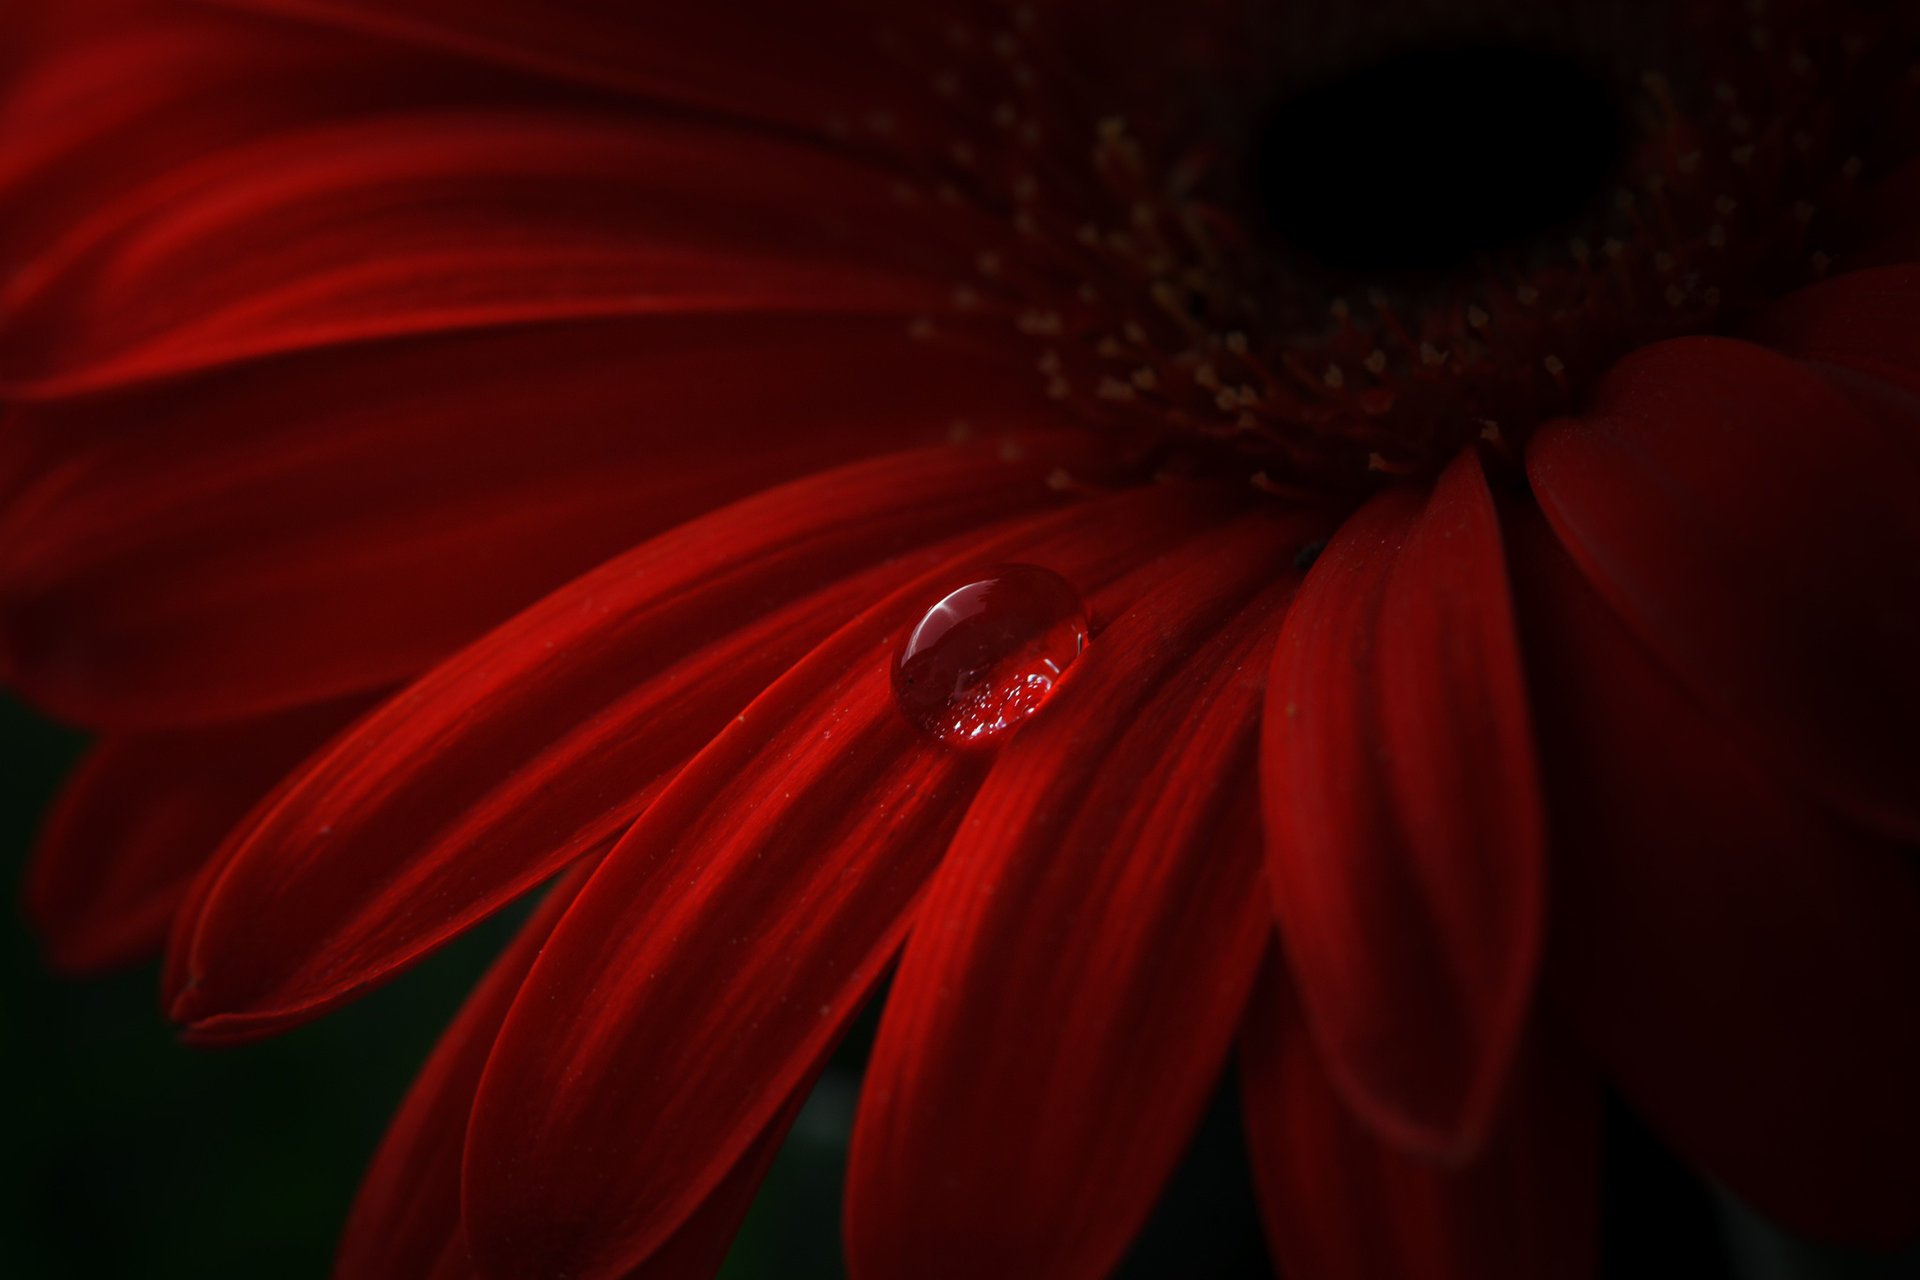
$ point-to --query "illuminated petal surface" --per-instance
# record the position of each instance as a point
(544, 740)
(742, 921)
(1060, 1016)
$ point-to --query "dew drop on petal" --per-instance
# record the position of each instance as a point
(989, 653)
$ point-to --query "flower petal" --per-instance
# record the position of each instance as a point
(1747, 971)
(407, 1213)
(1061, 1016)
(1860, 331)
(1760, 534)
(741, 922)
(406, 1219)
(432, 221)
(544, 740)
(1340, 1205)
(109, 96)
(777, 62)
(229, 545)
(1404, 823)
(141, 815)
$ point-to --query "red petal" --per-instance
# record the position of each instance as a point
(229, 545)
(802, 65)
(406, 1220)
(432, 221)
(107, 97)
(1061, 1014)
(1748, 973)
(544, 740)
(743, 919)
(407, 1213)
(1340, 1205)
(1761, 535)
(1404, 824)
(1860, 331)
(141, 816)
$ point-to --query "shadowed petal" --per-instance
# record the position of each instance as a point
(307, 527)
(1760, 534)
(1341, 1205)
(1747, 971)
(1404, 823)
(1059, 1020)
(407, 1213)
(1860, 331)
(110, 96)
(800, 66)
(430, 221)
(405, 1223)
(140, 817)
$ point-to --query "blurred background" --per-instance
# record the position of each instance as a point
(127, 1155)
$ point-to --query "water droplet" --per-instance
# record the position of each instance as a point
(989, 653)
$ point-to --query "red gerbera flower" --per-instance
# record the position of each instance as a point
(1069, 532)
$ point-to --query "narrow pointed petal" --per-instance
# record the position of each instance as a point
(1341, 1205)
(740, 923)
(405, 1222)
(407, 1213)
(1759, 532)
(229, 545)
(544, 740)
(432, 221)
(141, 816)
(1746, 971)
(1404, 822)
(1057, 1025)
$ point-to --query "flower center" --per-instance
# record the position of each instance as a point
(1330, 245)
(1396, 192)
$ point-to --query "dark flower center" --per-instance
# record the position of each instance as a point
(1418, 162)
(1329, 245)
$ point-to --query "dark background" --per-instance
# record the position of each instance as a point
(127, 1155)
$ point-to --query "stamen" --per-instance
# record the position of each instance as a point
(1114, 237)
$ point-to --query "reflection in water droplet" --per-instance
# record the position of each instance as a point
(987, 656)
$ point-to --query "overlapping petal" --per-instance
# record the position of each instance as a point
(742, 921)
(1061, 1014)
(109, 96)
(429, 221)
(406, 1218)
(1404, 825)
(405, 1223)
(140, 817)
(231, 545)
(1341, 1205)
(543, 741)
(1746, 969)
(1759, 532)
(1861, 331)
